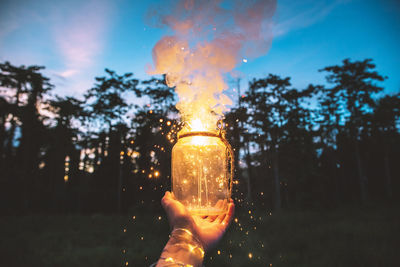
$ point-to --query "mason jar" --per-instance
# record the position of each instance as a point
(202, 172)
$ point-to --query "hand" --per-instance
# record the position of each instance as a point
(208, 229)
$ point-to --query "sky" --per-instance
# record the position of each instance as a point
(76, 40)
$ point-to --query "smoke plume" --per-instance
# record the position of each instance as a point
(206, 41)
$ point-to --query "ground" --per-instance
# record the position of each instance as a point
(348, 237)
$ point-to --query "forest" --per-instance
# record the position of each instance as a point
(321, 147)
(316, 181)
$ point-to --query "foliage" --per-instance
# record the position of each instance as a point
(322, 146)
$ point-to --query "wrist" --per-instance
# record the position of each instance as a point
(182, 249)
(187, 237)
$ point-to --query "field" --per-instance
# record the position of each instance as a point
(351, 237)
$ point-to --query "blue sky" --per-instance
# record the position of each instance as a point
(76, 40)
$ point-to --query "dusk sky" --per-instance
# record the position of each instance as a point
(76, 40)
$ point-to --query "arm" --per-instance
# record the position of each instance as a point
(191, 236)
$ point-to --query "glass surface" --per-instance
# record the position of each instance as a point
(200, 177)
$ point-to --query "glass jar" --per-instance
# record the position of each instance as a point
(202, 172)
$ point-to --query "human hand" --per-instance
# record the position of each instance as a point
(208, 229)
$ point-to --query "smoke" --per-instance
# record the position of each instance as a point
(207, 40)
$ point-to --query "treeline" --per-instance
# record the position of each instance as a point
(320, 146)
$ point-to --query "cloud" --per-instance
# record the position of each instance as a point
(68, 37)
(80, 35)
(296, 15)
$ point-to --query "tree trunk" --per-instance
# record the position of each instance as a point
(363, 180)
(119, 193)
(13, 122)
(278, 202)
(389, 191)
(120, 176)
(249, 172)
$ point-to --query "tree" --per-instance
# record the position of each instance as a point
(33, 85)
(353, 87)
(267, 109)
(62, 145)
(385, 119)
(106, 97)
(155, 131)
(109, 107)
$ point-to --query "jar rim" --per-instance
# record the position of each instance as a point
(200, 133)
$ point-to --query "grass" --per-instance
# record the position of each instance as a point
(368, 237)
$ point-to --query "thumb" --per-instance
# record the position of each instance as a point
(177, 214)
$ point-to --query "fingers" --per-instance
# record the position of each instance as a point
(167, 203)
(217, 206)
(221, 217)
(228, 218)
(171, 205)
(177, 214)
(166, 199)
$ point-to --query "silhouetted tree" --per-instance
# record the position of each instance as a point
(354, 86)
(385, 119)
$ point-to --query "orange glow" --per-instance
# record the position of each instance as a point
(197, 125)
(196, 60)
